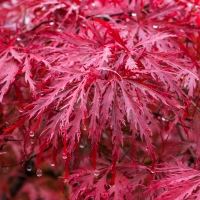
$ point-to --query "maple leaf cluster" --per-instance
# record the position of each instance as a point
(108, 89)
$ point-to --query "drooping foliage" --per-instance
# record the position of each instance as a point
(111, 87)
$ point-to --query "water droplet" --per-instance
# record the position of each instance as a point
(111, 186)
(96, 172)
(127, 19)
(59, 30)
(59, 7)
(84, 128)
(44, 8)
(81, 146)
(93, 4)
(20, 110)
(133, 14)
(18, 39)
(147, 148)
(51, 23)
(53, 164)
(159, 118)
(39, 172)
(31, 134)
(64, 156)
(164, 119)
(32, 141)
(29, 168)
(155, 26)
(27, 20)
(152, 172)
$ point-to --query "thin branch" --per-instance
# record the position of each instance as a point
(120, 160)
(24, 161)
(171, 120)
(11, 140)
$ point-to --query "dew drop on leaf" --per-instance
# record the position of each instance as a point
(32, 141)
(39, 172)
(31, 134)
(96, 172)
(155, 26)
(53, 164)
(29, 168)
(84, 128)
(44, 8)
(111, 186)
(164, 119)
(27, 20)
(64, 156)
(20, 110)
(93, 4)
(51, 23)
(81, 146)
(152, 172)
(133, 14)
(18, 39)
(159, 118)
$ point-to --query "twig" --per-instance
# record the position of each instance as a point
(24, 161)
(171, 120)
(120, 160)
